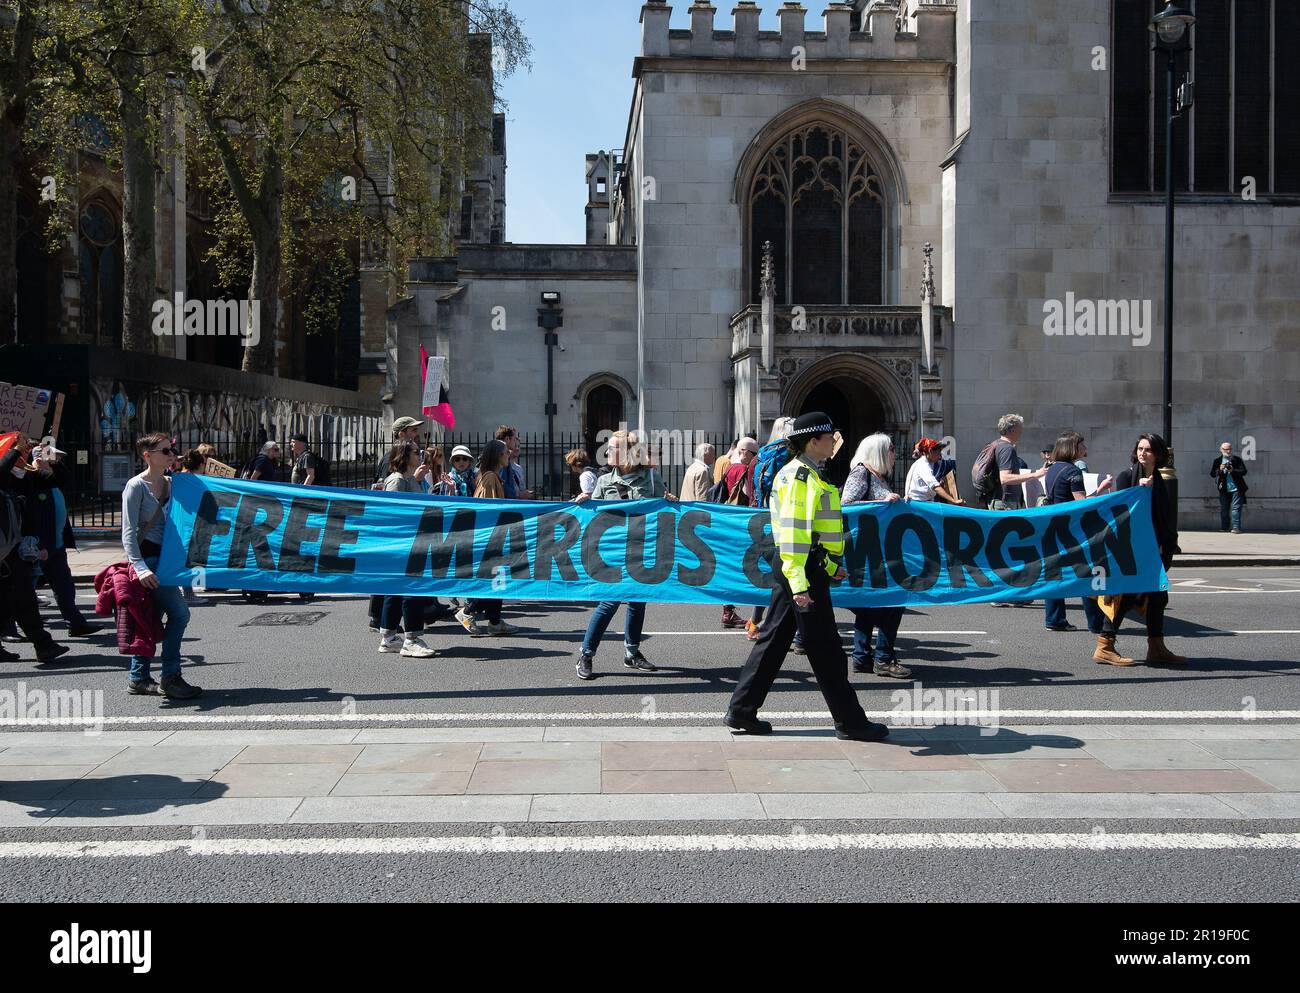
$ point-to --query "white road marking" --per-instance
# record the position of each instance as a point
(900, 717)
(1279, 631)
(1228, 592)
(737, 631)
(631, 844)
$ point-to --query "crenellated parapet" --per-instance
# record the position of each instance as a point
(861, 29)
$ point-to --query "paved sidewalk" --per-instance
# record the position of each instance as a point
(1202, 549)
(585, 774)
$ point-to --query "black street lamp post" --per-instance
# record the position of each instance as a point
(1171, 30)
(550, 318)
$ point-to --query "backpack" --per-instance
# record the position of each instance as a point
(984, 471)
(718, 491)
(322, 471)
(771, 459)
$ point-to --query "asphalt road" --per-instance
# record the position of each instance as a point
(921, 874)
(1239, 626)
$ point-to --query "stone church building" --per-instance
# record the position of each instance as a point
(871, 210)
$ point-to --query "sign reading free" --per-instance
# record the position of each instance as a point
(25, 409)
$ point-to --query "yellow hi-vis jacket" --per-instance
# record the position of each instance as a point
(805, 513)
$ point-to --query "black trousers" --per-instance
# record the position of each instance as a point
(59, 576)
(1156, 604)
(18, 600)
(821, 640)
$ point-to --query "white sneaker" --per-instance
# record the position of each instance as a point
(469, 624)
(501, 629)
(390, 642)
(415, 648)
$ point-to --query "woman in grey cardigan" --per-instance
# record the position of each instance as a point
(632, 479)
(146, 499)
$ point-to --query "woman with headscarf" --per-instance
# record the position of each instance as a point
(923, 481)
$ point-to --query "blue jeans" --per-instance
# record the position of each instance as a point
(171, 604)
(885, 621)
(1230, 505)
(1054, 614)
(603, 614)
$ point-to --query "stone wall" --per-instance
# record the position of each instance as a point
(695, 115)
(1033, 220)
(498, 373)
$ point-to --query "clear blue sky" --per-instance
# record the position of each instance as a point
(574, 101)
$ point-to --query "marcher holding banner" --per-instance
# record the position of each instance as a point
(1062, 484)
(923, 479)
(145, 504)
(633, 478)
(810, 539)
(872, 464)
(493, 469)
(408, 611)
(1149, 454)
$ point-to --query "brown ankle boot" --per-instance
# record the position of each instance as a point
(1106, 652)
(1157, 652)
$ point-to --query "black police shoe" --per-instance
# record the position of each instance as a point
(866, 732)
(747, 725)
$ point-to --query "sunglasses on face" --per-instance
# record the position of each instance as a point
(162, 451)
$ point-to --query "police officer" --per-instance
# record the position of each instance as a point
(809, 535)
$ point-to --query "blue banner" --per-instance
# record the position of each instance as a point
(235, 534)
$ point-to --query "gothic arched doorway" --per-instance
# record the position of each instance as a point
(604, 413)
(862, 397)
(855, 410)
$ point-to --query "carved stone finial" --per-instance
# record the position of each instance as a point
(927, 273)
(767, 277)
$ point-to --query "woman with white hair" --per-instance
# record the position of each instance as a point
(868, 483)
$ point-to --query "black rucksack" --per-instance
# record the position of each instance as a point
(984, 474)
(322, 471)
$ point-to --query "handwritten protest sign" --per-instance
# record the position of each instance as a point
(26, 409)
